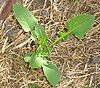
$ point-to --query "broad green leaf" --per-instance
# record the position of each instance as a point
(27, 57)
(39, 31)
(80, 25)
(52, 73)
(37, 62)
(41, 35)
(24, 17)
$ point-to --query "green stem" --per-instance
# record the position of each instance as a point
(57, 40)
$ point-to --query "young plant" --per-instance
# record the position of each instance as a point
(78, 26)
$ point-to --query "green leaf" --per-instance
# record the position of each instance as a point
(27, 57)
(36, 61)
(41, 35)
(39, 50)
(52, 73)
(33, 35)
(24, 17)
(80, 25)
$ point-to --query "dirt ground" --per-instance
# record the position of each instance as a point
(77, 60)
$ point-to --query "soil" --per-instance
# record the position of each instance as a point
(77, 60)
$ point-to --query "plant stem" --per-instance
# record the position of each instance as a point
(60, 38)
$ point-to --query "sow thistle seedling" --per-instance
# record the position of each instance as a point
(78, 26)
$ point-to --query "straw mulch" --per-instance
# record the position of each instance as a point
(77, 60)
